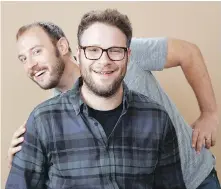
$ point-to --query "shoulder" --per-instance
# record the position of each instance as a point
(61, 102)
(49, 112)
(149, 53)
(139, 100)
(148, 42)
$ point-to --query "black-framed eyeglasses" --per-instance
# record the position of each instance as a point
(113, 53)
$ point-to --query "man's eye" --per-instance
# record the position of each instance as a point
(93, 49)
(37, 51)
(22, 59)
(116, 50)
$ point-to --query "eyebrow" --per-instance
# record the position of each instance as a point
(98, 45)
(30, 50)
(91, 45)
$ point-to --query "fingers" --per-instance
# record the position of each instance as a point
(213, 142)
(11, 153)
(204, 142)
(195, 137)
(208, 142)
(200, 141)
(15, 150)
(16, 141)
(213, 139)
(205, 130)
(19, 132)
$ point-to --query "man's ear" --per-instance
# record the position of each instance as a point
(128, 54)
(78, 54)
(63, 46)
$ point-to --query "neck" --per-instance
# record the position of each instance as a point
(70, 75)
(102, 103)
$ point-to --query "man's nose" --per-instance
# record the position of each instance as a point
(104, 59)
(31, 63)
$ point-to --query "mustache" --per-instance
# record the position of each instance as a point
(104, 70)
(108, 68)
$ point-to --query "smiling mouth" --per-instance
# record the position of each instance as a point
(104, 72)
(37, 74)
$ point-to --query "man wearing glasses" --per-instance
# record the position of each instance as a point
(99, 134)
(113, 53)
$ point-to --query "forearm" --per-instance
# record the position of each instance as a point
(197, 76)
(189, 58)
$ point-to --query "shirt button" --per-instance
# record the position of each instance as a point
(95, 123)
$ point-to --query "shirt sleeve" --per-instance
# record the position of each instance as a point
(27, 171)
(149, 53)
(168, 173)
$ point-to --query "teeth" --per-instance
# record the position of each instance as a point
(106, 72)
(39, 73)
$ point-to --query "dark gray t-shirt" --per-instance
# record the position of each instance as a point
(148, 55)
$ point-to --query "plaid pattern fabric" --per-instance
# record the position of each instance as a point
(65, 148)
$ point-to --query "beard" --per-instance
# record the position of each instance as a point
(102, 91)
(57, 70)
